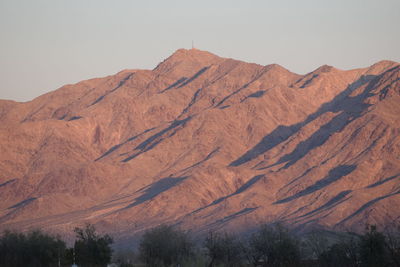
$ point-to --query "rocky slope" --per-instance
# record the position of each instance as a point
(206, 143)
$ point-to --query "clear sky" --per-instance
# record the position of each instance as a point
(45, 44)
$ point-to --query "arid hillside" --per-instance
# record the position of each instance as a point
(205, 143)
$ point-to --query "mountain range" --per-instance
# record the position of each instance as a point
(205, 143)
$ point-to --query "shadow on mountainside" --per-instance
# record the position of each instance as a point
(75, 118)
(349, 108)
(194, 77)
(175, 84)
(16, 207)
(241, 189)
(157, 138)
(183, 81)
(150, 142)
(120, 84)
(191, 103)
(257, 76)
(22, 203)
(115, 147)
(367, 205)
(155, 189)
(384, 181)
(309, 81)
(333, 202)
(257, 94)
(209, 156)
(334, 175)
(8, 182)
(233, 216)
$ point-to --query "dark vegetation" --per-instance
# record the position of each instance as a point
(272, 245)
(91, 249)
(38, 249)
(165, 246)
(32, 249)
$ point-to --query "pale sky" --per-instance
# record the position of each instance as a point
(45, 44)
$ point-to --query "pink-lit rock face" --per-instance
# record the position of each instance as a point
(207, 143)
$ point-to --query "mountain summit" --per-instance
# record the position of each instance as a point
(207, 143)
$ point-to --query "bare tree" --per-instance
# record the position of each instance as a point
(223, 249)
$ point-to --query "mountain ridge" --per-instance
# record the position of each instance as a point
(207, 143)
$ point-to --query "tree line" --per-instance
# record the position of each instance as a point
(39, 249)
(163, 246)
